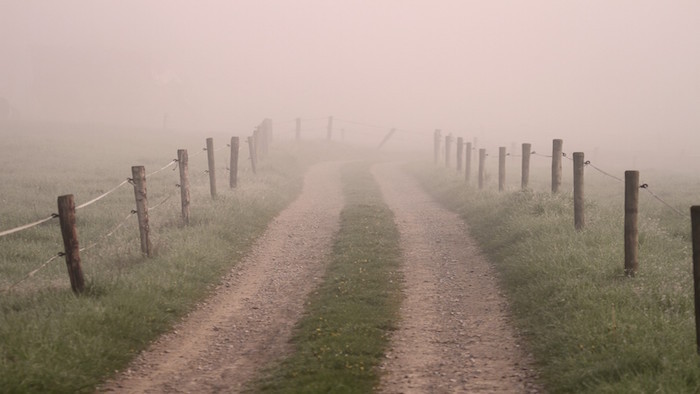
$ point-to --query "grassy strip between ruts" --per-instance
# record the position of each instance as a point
(343, 335)
(590, 328)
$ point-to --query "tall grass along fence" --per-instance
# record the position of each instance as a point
(442, 148)
(258, 142)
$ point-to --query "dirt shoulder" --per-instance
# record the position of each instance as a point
(248, 322)
(454, 335)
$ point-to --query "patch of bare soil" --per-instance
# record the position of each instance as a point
(454, 335)
(248, 322)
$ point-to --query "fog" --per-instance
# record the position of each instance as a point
(597, 73)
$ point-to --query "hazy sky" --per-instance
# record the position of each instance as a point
(502, 70)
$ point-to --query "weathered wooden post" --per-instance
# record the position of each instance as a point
(253, 158)
(212, 168)
(183, 163)
(330, 128)
(525, 177)
(482, 160)
(695, 225)
(631, 222)
(66, 216)
(448, 148)
(436, 144)
(268, 135)
(501, 168)
(138, 174)
(460, 153)
(579, 221)
(256, 141)
(233, 165)
(298, 131)
(468, 162)
(557, 150)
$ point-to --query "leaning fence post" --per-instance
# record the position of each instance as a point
(525, 177)
(329, 130)
(631, 222)
(695, 225)
(251, 149)
(138, 174)
(436, 144)
(212, 168)
(579, 220)
(182, 160)
(557, 150)
(482, 160)
(66, 215)
(468, 162)
(233, 165)
(460, 153)
(448, 148)
(501, 168)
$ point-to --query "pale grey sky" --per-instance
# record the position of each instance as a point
(501, 70)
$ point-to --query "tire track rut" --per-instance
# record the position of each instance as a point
(249, 320)
(454, 335)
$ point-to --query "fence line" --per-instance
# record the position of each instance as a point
(92, 201)
(588, 163)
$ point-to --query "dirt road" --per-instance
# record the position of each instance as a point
(454, 335)
(248, 322)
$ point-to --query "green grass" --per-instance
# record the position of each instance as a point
(590, 328)
(343, 335)
(54, 341)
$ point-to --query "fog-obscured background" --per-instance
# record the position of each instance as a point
(593, 72)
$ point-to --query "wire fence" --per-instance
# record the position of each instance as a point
(104, 237)
(441, 151)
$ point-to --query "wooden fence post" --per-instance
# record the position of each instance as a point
(233, 165)
(525, 178)
(631, 222)
(329, 135)
(253, 158)
(183, 163)
(298, 131)
(436, 144)
(557, 146)
(501, 168)
(482, 160)
(579, 219)
(460, 153)
(256, 141)
(448, 148)
(695, 225)
(468, 162)
(66, 215)
(268, 135)
(138, 174)
(212, 168)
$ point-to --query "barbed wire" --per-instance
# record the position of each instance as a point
(589, 164)
(96, 199)
(646, 187)
(32, 273)
(173, 161)
(27, 226)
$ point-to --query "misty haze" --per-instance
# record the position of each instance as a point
(349, 196)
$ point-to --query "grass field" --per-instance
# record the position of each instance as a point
(590, 328)
(53, 341)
